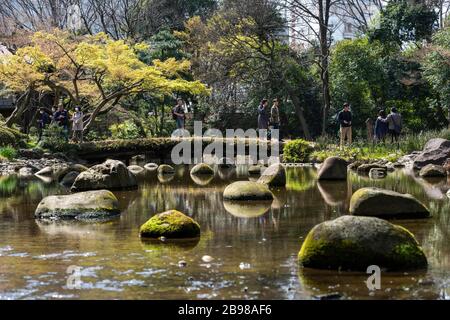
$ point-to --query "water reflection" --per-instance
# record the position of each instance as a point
(253, 246)
(202, 180)
(247, 209)
(335, 193)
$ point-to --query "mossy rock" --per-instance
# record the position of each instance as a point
(9, 136)
(333, 168)
(383, 203)
(170, 224)
(89, 205)
(432, 171)
(354, 243)
(166, 169)
(247, 190)
(203, 169)
(274, 176)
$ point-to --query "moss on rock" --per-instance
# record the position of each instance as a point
(383, 203)
(170, 224)
(99, 204)
(354, 243)
(247, 190)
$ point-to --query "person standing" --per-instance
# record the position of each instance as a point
(395, 124)
(61, 117)
(263, 118)
(275, 116)
(178, 114)
(77, 125)
(43, 122)
(345, 121)
(381, 127)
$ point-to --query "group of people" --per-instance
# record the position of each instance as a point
(385, 125)
(269, 120)
(62, 118)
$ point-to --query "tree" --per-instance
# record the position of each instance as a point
(94, 72)
(310, 24)
(240, 53)
(437, 67)
(357, 75)
(405, 21)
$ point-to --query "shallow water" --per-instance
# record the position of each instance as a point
(254, 248)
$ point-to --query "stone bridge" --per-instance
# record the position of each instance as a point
(160, 149)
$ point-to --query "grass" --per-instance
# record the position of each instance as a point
(8, 153)
(325, 147)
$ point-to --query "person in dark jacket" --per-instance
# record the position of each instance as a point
(395, 124)
(263, 115)
(381, 127)
(345, 121)
(61, 117)
(43, 122)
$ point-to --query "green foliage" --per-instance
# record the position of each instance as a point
(8, 152)
(357, 77)
(297, 151)
(361, 150)
(403, 20)
(125, 130)
(54, 139)
(437, 68)
(9, 136)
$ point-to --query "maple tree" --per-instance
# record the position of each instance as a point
(92, 71)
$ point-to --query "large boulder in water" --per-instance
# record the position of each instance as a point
(274, 176)
(386, 204)
(201, 169)
(354, 243)
(111, 175)
(333, 168)
(247, 190)
(98, 204)
(432, 171)
(170, 224)
(436, 151)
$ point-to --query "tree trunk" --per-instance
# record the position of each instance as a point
(22, 104)
(324, 15)
(326, 100)
(299, 111)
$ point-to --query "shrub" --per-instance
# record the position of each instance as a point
(125, 130)
(53, 138)
(8, 152)
(297, 151)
